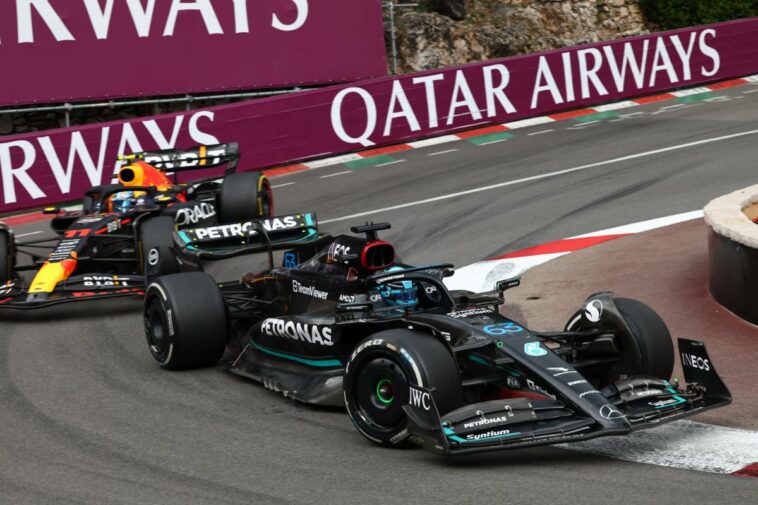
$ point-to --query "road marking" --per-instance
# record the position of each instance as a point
(492, 142)
(28, 234)
(434, 141)
(542, 176)
(670, 108)
(335, 175)
(541, 132)
(615, 106)
(514, 125)
(282, 185)
(333, 161)
(442, 152)
(582, 126)
(391, 163)
(482, 275)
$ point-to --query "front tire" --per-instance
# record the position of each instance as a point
(652, 336)
(186, 321)
(648, 338)
(377, 379)
(245, 196)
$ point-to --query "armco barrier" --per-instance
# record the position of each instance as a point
(59, 165)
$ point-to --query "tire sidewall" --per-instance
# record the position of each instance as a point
(245, 196)
(194, 320)
(395, 346)
(155, 294)
(644, 333)
(651, 335)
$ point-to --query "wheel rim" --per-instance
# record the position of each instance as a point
(380, 386)
(157, 328)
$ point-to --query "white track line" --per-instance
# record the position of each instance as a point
(541, 132)
(442, 152)
(648, 225)
(285, 184)
(391, 163)
(434, 141)
(28, 234)
(542, 176)
(616, 106)
(333, 161)
(493, 142)
(482, 275)
(523, 123)
(335, 175)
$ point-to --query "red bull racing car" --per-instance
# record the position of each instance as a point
(342, 322)
(123, 236)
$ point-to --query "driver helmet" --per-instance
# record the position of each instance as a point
(123, 201)
(400, 293)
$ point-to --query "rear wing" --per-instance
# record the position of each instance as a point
(259, 235)
(177, 160)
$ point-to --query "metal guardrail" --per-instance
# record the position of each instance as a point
(391, 6)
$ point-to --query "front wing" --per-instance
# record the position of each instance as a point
(636, 403)
(77, 288)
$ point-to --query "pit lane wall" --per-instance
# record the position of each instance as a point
(53, 166)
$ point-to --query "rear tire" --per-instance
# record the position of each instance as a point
(156, 242)
(6, 257)
(185, 321)
(378, 374)
(245, 196)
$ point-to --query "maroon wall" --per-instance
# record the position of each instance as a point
(68, 50)
(58, 165)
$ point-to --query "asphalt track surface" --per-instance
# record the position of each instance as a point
(86, 416)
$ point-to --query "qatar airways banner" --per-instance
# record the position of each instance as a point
(53, 166)
(69, 50)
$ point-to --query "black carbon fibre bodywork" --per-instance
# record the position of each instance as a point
(296, 329)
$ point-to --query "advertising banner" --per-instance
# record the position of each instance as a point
(70, 50)
(47, 167)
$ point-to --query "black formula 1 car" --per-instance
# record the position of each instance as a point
(123, 237)
(343, 323)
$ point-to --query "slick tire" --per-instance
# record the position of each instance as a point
(186, 321)
(245, 196)
(6, 257)
(156, 246)
(378, 374)
(652, 337)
